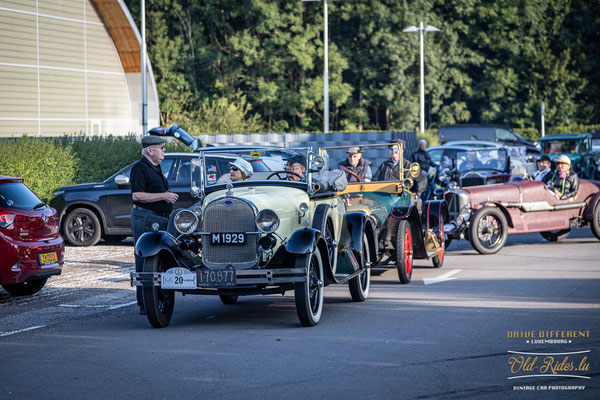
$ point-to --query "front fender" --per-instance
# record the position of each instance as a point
(151, 243)
(588, 214)
(356, 225)
(302, 241)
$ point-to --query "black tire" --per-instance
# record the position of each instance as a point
(330, 238)
(159, 303)
(25, 288)
(438, 259)
(228, 299)
(595, 222)
(404, 252)
(360, 284)
(114, 238)
(82, 227)
(488, 230)
(555, 236)
(309, 294)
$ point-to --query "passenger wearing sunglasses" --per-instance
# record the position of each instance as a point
(240, 170)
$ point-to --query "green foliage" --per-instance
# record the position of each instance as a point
(492, 62)
(45, 165)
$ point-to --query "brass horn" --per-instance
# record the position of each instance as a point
(415, 170)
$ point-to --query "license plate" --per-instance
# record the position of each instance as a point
(178, 278)
(48, 258)
(228, 238)
(216, 277)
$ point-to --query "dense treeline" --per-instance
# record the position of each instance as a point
(257, 65)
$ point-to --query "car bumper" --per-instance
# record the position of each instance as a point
(244, 278)
(21, 262)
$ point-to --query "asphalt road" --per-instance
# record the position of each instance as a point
(81, 337)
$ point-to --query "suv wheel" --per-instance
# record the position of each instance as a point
(82, 227)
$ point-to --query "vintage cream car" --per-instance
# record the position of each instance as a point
(278, 231)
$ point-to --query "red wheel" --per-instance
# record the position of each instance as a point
(404, 252)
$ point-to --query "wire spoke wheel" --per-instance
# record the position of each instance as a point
(488, 230)
(359, 285)
(309, 293)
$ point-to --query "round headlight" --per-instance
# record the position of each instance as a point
(267, 221)
(185, 221)
(318, 162)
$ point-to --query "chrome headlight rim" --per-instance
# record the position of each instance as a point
(267, 221)
(184, 226)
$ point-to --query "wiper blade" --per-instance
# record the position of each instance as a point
(39, 205)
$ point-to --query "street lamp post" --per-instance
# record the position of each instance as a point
(143, 62)
(325, 68)
(421, 30)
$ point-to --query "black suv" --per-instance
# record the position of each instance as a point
(495, 133)
(93, 211)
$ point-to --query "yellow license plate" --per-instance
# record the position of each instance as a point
(48, 258)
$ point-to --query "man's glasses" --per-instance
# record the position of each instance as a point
(234, 168)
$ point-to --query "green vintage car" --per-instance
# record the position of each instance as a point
(277, 231)
(406, 227)
(578, 146)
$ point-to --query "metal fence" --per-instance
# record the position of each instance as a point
(316, 140)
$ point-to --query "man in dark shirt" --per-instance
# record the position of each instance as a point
(152, 201)
(421, 156)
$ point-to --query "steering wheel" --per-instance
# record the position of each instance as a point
(283, 172)
(354, 174)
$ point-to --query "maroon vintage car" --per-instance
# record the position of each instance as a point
(487, 214)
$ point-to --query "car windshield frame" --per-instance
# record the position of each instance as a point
(484, 157)
(561, 146)
(204, 181)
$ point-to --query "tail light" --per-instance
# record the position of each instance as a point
(6, 219)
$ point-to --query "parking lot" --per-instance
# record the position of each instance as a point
(447, 334)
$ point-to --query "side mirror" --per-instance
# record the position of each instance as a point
(122, 180)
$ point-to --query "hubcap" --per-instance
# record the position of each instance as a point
(489, 231)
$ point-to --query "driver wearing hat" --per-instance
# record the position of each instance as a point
(543, 169)
(564, 182)
(357, 169)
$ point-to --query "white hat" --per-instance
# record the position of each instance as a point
(564, 159)
(243, 166)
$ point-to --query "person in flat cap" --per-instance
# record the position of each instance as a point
(564, 182)
(543, 169)
(357, 169)
(240, 170)
(152, 200)
(389, 170)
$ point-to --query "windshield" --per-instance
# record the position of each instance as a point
(481, 159)
(560, 146)
(262, 164)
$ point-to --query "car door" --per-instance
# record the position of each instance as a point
(117, 198)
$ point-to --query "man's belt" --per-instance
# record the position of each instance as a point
(159, 214)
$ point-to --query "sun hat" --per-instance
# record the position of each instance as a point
(243, 166)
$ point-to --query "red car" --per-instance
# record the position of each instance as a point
(487, 214)
(31, 247)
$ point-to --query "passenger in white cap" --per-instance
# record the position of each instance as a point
(240, 170)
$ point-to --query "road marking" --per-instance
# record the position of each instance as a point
(21, 330)
(122, 305)
(97, 306)
(441, 278)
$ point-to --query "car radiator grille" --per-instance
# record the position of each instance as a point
(453, 201)
(229, 215)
